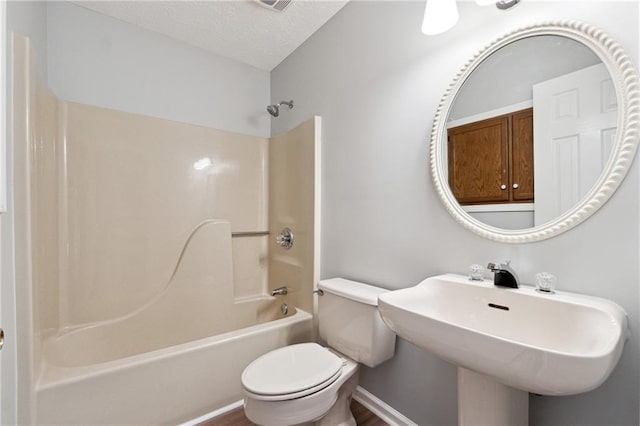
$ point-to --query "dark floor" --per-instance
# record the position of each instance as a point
(363, 416)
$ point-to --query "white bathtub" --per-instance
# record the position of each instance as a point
(165, 386)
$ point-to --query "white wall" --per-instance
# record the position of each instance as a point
(377, 81)
(28, 18)
(102, 61)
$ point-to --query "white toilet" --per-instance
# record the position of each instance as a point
(308, 383)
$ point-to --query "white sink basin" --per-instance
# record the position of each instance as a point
(550, 344)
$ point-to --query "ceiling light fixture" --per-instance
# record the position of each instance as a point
(500, 4)
(506, 4)
(275, 5)
(439, 16)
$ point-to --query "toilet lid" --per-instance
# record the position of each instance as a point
(291, 369)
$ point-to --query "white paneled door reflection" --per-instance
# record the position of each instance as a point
(574, 130)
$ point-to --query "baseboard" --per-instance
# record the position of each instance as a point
(377, 406)
(381, 409)
(215, 413)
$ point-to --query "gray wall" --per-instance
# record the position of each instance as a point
(377, 81)
(27, 18)
(102, 61)
(507, 77)
(30, 18)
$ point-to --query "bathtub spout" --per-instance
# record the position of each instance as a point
(279, 291)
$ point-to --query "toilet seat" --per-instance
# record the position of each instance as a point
(295, 395)
(291, 372)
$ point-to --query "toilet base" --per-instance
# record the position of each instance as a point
(340, 413)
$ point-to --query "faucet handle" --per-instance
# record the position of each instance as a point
(476, 273)
(285, 238)
(545, 282)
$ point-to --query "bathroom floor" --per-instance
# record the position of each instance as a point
(363, 416)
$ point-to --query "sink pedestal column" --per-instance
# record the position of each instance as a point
(484, 401)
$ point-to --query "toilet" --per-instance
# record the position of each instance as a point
(311, 384)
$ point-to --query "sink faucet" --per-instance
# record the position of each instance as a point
(504, 275)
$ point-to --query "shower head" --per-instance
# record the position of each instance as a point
(275, 108)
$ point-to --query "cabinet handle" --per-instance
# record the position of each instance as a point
(503, 187)
(515, 186)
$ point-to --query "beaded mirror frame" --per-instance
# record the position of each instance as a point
(627, 87)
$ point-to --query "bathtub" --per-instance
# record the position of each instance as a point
(164, 386)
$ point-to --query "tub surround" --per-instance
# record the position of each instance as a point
(140, 186)
(197, 302)
(294, 202)
(135, 260)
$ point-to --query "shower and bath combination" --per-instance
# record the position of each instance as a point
(275, 108)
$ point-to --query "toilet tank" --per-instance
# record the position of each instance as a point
(350, 323)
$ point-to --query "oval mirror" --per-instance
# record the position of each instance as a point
(536, 132)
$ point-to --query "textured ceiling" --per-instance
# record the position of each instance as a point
(238, 29)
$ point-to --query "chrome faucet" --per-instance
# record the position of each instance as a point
(279, 291)
(504, 275)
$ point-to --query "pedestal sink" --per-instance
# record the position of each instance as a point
(507, 342)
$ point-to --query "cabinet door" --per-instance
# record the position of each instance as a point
(478, 161)
(522, 155)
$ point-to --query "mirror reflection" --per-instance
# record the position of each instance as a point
(530, 132)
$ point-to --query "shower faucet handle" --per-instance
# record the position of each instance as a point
(285, 238)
